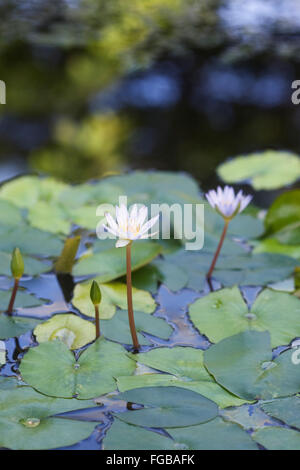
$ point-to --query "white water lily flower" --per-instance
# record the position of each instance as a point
(130, 226)
(226, 202)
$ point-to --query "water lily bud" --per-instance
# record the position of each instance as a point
(17, 264)
(95, 293)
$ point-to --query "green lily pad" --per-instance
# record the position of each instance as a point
(117, 329)
(224, 313)
(79, 195)
(283, 218)
(167, 407)
(46, 216)
(51, 368)
(182, 367)
(31, 241)
(32, 266)
(249, 269)
(285, 409)
(26, 191)
(8, 383)
(271, 245)
(10, 214)
(265, 170)
(111, 264)
(243, 365)
(27, 422)
(68, 328)
(123, 436)
(114, 295)
(214, 435)
(23, 299)
(11, 327)
(277, 438)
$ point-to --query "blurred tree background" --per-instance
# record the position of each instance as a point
(100, 86)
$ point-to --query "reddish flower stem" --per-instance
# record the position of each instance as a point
(13, 296)
(215, 258)
(129, 299)
(97, 320)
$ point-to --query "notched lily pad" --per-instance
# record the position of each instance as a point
(27, 422)
(167, 407)
(114, 295)
(68, 328)
(182, 367)
(243, 365)
(51, 368)
(117, 329)
(224, 313)
(285, 409)
(277, 438)
(12, 326)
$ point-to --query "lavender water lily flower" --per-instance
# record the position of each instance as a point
(226, 202)
(129, 227)
(228, 205)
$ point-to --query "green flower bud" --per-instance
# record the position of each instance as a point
(95, 293)
(17, 264)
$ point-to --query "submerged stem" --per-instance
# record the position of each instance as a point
(129, 298)
(97, 320)
(13, 296)
(212, 266)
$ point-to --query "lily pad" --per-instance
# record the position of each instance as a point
(271, 245)
(224, 313)
(249, 269)
(285, 409)
(51, 218)
(123, 436)
(111, 264)
(114, 295)
(10, 214)
(266, 170)
(27, 422)
(167, 407)
(243, 364)
(11, 327)
(23, 299)
(283, 218)
(31, 241)
(51, 368)
(68, 328)
(214, 435)
(32, 266)
(182, 367)
(277, 438)
(117, 329)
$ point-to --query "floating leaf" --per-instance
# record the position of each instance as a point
(123, 436)
(276, 438)
(27, 422)
(68, 328)
(183, 367)
(270, 245)
(214, 435)
(243, 365)
(224, 313)
(285, 409)
(266, 170)
(52, 369)
(29, 240)
(32, 266)
(111, 264)
(283, 218)
(117, 329)
(23, 300)
(48, 217)
(11, 327)
(114, 295)
(10, 214)
(167, 407)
